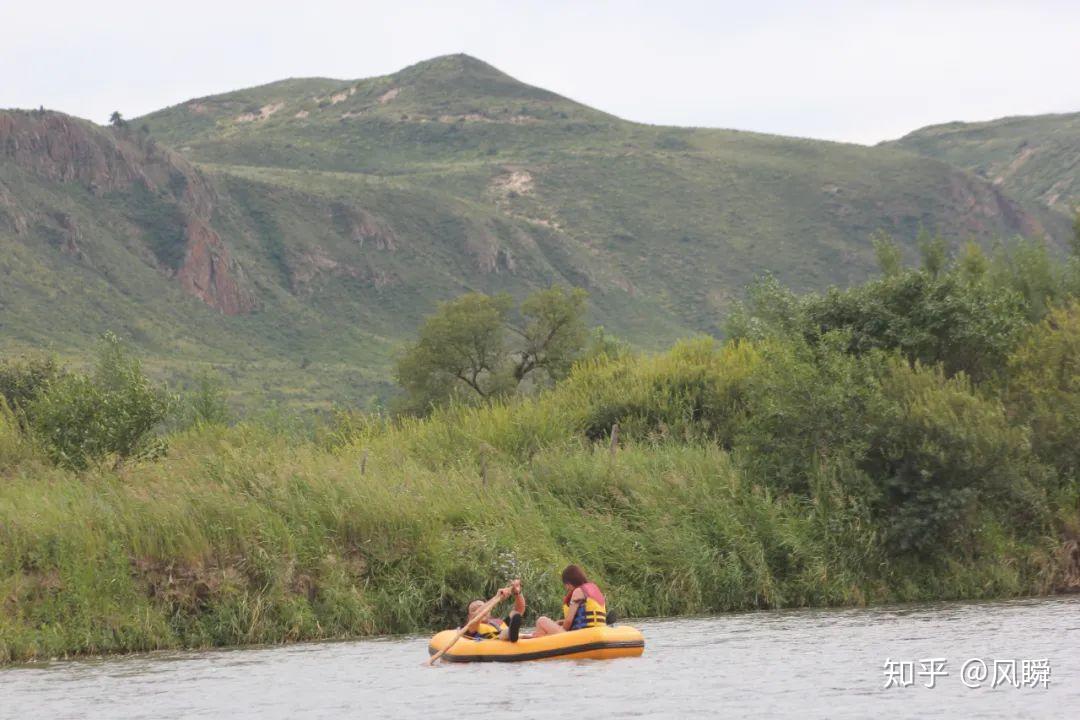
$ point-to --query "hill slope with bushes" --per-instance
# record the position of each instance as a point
(1035, 157)
(293, 234)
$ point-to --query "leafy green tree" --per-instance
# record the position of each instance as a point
(936, 451)
(929, 318)
(1043, 389)
(889, 256)
(933, 251)
(924, 449)
(770, 310)
(23, 379)
(117, 120)
(206, 402)
(602, 344)
(115, 411)
(461, 349)
(1026, 267)
(553, 333)
(471, 350)
(972, 264)
(968, 326)
(805, 404)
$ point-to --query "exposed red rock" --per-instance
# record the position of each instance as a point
(62, 149)
(984, 205)
(65, 149)
(209, 273)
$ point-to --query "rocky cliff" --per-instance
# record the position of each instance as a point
(125, 166)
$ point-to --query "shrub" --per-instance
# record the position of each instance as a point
(968, 327)
(926, 446)
(24, 379)
(807, 404)
(14, 445)
(80, 419)
(936, 450)
(695, 391)
(1043, 389)
(205, 403)
(1026, 268)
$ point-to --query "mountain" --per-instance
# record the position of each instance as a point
(107, 229)
(1035, 158)
(294, 234)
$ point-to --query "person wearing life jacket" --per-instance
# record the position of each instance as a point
(583, 607)
(486, 627)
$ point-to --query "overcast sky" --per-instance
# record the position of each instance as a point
(854, 71)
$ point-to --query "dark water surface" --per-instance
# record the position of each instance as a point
(807, 664)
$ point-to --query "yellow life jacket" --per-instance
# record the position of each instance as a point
(485, 631)
(591, 613)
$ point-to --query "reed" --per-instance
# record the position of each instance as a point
(264, 532)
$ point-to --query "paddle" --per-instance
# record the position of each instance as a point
(485, 608)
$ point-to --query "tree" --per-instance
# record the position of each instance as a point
(969, 327)
(553, 334)
(206, 402)
(1044, 389)
(933, 251)
(117, 120)
(889, 259)
(23, 379)
(1027, 268)
(962, 316)
(115, 411)
(972, 263)
(460, 346)
(770, 310)
(465, 350)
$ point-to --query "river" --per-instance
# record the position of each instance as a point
(802, 663)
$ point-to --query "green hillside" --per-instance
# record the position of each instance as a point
(1036, 158)
(294, 234)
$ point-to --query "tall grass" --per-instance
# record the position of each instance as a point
(262, 533)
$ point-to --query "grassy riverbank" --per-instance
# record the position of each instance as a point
(259, 533)
(909, 439)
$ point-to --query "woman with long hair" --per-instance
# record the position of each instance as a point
(584, 605)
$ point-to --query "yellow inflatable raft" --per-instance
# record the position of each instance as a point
(596, 643)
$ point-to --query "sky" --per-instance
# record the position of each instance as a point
(848, 71)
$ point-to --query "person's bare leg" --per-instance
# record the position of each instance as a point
(547, 626)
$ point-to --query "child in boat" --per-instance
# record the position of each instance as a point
(584, 605)
(486, 627)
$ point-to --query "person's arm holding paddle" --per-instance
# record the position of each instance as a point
(519, 597)
(512, 628)
(474, 619)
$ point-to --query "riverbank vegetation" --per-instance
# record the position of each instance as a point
(912, 438)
